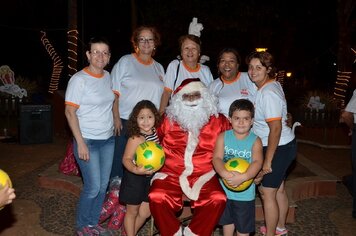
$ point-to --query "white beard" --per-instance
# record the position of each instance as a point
(192, 116)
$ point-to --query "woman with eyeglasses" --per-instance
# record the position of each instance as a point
(135, 77)
(231, 83)
(88, 107)
(188, 67)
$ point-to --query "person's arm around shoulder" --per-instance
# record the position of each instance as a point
(116, 116)
(70, 112)
(210, 76)
(164, 100)
(347, 118)
(128, 158)
(257, 160)
(347, 115)
(218, 157)
(117, 74)
(7, 195)
(169, 79)
(275, 130)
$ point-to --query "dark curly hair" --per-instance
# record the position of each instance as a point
(132, 127)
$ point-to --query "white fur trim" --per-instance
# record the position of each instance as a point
(159, 175)
(179, 232)
(191, 87)
(188, 232)
(194, 191)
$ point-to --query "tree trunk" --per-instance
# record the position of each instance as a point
(344, 55)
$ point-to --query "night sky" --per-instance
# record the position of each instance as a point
(302, 35)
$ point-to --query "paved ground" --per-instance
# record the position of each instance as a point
(40, 211)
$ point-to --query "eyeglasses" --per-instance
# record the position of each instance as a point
(146, 40)
(96, 53)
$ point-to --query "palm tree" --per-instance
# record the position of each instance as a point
(346, 8)
(72, 36)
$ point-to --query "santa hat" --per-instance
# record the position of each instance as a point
(189, 86)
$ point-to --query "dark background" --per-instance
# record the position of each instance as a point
(302, 35)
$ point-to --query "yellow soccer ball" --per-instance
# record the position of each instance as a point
(239, 165)
(4, 179)
(150, 155)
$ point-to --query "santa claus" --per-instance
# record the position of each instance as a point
(188, 133)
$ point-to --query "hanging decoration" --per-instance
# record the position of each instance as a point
(57, 65)
(341, 84)
(72, 42)
(354, 51)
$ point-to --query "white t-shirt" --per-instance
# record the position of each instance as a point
(270, 104)
(229, 91)
(351, 106)
(93, 96)
(135, 81)
(202, 72)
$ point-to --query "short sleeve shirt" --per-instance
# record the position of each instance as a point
(171, 81)
(93, 96)
(134, 81)
(270, 104)
(351, 106)
(229, 91)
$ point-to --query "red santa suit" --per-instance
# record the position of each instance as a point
(188, 170)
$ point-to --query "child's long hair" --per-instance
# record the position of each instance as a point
(132, 127)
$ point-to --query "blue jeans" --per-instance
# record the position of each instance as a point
(95, 174)
(120, 144)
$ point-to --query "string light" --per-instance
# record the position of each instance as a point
(72, 41)
(261, 49)
(57, 64)
(341, 84)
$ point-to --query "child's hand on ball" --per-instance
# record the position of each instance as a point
(7, 195)
(141, 170)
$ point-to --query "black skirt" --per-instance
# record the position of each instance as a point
(134, 188)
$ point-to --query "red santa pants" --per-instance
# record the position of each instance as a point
(166, 200)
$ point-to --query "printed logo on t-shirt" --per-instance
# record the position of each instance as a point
(245, 154)
(244, 92)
